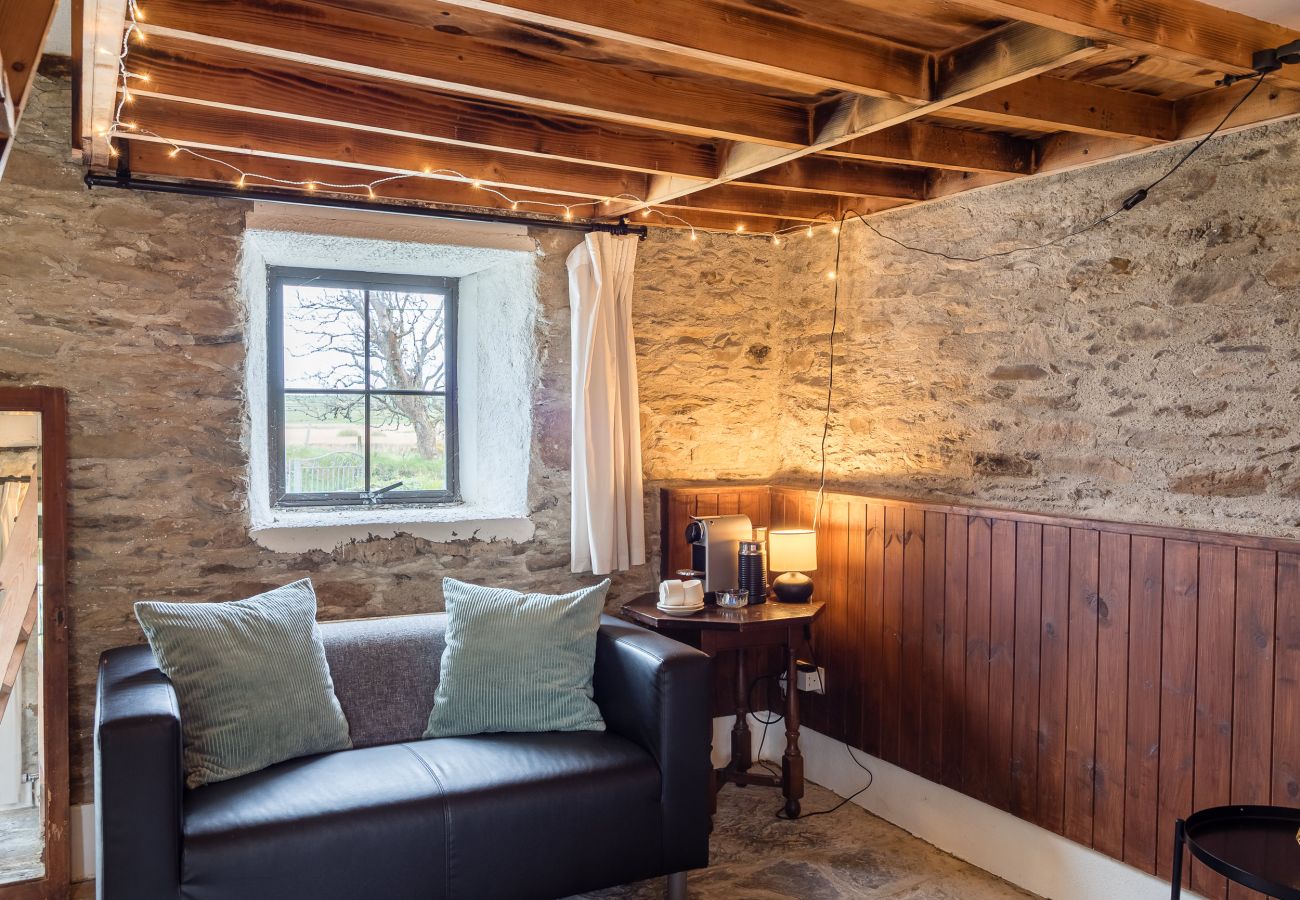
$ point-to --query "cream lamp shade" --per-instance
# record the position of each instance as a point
(792, 550)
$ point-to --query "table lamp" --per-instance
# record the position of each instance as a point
(792, 552)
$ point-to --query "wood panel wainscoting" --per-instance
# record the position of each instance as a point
(1095, 678)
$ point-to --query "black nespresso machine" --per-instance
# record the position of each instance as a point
(715, 544)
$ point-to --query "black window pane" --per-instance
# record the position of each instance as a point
(324, 338)
(408, 341)
(324, 443)
(408, 442)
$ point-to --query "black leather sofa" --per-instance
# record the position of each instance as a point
(492, 816)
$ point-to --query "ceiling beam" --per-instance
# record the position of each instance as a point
(103, 23)
(155, 160)
(939, 147)
(211, 129)
(1055, 104)
(741, 200)
(259, 86)
(755, 45)
(848, 178)
(1186, 30)
(351, 42)
(1008, 55)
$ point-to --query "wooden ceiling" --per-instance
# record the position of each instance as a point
(761, 115)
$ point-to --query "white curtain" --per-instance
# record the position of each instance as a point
(608, 531)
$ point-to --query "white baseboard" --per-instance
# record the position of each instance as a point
(1018, 851)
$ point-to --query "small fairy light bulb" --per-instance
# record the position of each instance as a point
(127, 96)
(113, 151)
(694, 236)
(835, 229)
(514, 204)
(830, 276)
(776, 240)
(129, 126)
(428, 170)
(240, 182)
(144, 76)
(568, 214)
(645, 213)
(476, 184)
(371, 191)
(810, 231)
(740, 229)
(174, 152)
(311, 185)
(139, 35)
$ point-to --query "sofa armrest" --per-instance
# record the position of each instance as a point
(139, 779)
(655, 691)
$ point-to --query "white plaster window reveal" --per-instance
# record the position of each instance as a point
(497, 367)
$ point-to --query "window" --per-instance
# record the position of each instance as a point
(361, 388)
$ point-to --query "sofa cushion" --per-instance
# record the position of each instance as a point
(489, 816)
(517, 662)
(385, 673)
(251, 679)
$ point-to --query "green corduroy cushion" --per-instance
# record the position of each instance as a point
(517, 662)
(251, 678)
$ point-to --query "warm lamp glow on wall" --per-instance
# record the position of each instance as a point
(792, 551)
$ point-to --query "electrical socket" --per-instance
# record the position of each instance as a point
(808, 678)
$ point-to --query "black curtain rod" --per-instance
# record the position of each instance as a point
(134, 183)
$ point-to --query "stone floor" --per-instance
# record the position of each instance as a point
(847, 854)
(20, 845)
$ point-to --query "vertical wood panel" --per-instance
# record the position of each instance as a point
(1053, 677)
(1177, 695)
(1112, 694)
(909, 737)
(874, 587)
(1252, 707)
(1286, 681)
(892, 651)
(1029, 622)
(857, 669)
(979, 572)
(1215, 652)
(1002, 669)
(1142, 769)
(706, 504)
(932, 648)
(826, 713)
(954, 651)
(1081, 693)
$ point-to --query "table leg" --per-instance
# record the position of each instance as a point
(1176, 879)
(792, 761)
(741, 747)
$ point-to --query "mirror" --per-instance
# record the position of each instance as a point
(33, 646)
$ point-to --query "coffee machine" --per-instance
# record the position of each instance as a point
(715, 542)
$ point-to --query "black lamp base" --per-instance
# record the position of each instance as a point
(792, 587)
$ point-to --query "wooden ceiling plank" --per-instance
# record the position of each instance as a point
(261, 87)
(102, 25)
(753, 43)
(742, 200)
(1186, 30)
(1045, 103)
(1021, 51)
(154, 160)
(211, 129)
(935, 146)
(375, 47)
(821, 174)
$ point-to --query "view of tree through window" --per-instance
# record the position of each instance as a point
(364, 383)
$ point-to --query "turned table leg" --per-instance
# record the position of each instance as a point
(792, 761)
(741, 747)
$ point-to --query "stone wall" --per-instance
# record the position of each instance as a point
(1148, 371)
(130, 302)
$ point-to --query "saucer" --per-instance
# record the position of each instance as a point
(679, 610)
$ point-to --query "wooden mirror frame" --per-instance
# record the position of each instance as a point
(51, 403)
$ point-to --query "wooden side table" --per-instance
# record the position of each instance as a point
(714, 631)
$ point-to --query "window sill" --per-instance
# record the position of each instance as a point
(325, 528)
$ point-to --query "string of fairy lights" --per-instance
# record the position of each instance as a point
(123, 127)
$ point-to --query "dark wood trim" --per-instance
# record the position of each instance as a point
(51, 403)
